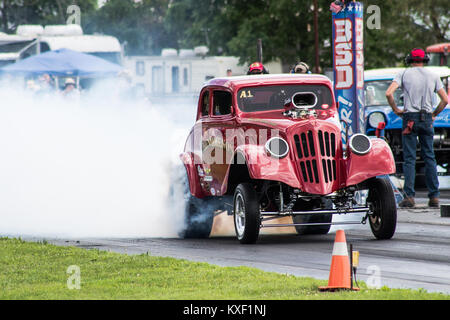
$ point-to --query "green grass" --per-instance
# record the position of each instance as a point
(39, 271)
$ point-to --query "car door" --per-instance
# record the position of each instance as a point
(202, 142)
(215, 152)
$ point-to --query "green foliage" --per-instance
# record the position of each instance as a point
(232, 27)
(404, 25)
(431, 17)
(44, 12)
(287, 29)
(140, 25)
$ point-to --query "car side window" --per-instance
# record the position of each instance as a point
(222, 102)
(205, 104)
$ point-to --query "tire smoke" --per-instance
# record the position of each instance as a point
(95, 167)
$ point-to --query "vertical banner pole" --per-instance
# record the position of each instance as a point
(259, 51)
(348, 66)
(316, 38)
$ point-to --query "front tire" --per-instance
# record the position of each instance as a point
(381, 200)
(247, 220)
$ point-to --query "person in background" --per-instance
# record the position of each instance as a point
(229, 73)
(257, 68)
(419, 86)
(32, 86)
(70, 89)
(301, 67)
(123, 86)
(46, 84)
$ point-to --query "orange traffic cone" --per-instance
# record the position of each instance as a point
(340, 273)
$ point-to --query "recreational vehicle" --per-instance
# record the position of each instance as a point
(34, 39)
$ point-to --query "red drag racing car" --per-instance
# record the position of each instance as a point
(273, 144)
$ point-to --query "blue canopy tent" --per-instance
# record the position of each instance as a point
(63, 63)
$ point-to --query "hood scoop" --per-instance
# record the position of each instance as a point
(301, 105)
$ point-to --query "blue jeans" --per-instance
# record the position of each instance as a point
(425, 131)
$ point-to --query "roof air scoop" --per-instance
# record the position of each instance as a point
(304, 100)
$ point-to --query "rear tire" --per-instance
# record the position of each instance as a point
(198, 220)
(381, 200)
(198, 213)
(247, 220)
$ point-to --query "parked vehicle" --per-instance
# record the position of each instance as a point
(439, 54)
(273, 143)
(35, 39)
(378, 112)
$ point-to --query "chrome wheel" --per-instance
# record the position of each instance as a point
(239, 216)
(247, 219)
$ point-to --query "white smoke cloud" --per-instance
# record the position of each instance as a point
(98, 167)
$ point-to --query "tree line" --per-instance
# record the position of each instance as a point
(232, 27)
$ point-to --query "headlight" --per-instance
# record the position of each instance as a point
(375, 118)
(360, 144)
(277, 147)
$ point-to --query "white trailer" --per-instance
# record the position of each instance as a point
(182, 72)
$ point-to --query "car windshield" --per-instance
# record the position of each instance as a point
(14, 46)
(375, 92)
(266, 98)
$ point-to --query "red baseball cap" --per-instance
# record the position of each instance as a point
(417, 55)
(256, 66)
